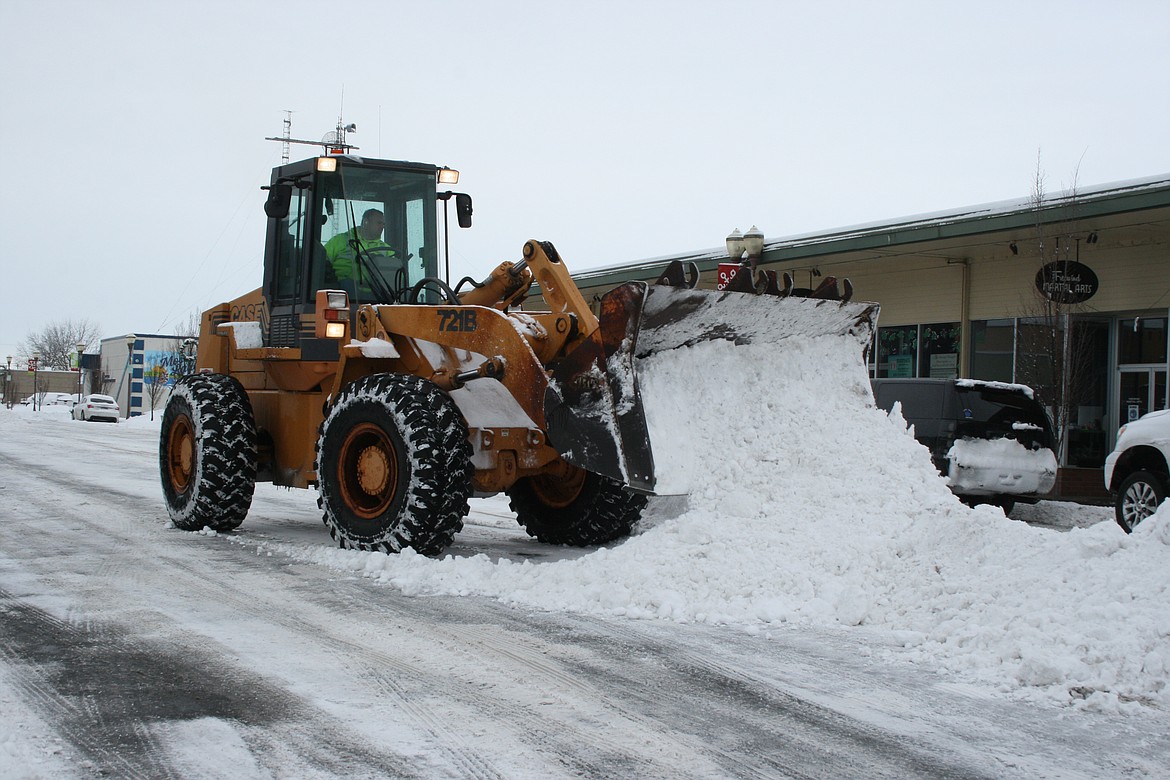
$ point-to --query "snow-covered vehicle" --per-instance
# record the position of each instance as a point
(1136, 472)
(991, 440)
(41, 400)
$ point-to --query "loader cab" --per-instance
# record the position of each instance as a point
(326, 203)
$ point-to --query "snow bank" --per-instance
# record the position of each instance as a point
(807, 505)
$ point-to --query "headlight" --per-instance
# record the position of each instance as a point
(332, 315)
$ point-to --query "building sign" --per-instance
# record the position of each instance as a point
(1067, 282)
(901, 366)
(944, 365)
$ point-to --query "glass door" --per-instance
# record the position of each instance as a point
(1142, 390)
(1141, 367)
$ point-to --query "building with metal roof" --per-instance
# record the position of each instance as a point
(1067, 292)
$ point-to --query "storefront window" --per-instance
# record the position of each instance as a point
(1141, 340)
(939, 351)
(1039, 345)
(897, 350)
(992, 350)
(1088, 389)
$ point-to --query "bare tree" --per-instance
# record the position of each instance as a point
(1054, 355)
(57, 342)
(157, 379)
(189, 328)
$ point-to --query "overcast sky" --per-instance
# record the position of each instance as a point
(133, 132)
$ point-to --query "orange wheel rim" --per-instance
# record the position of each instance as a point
(367, 471)
(559, 487)
(181, 453)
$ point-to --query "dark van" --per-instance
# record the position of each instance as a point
(992, 441)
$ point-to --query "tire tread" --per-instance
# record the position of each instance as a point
(225, 478)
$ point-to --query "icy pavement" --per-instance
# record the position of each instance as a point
(807, 505)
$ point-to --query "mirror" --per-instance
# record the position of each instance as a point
(279, 197)
(463, 209)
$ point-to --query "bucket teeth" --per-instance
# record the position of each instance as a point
(827, 290)
(749, 280)
(741, 313)
(754, 280)
(679, 274)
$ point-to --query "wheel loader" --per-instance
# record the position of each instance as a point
(355, 368)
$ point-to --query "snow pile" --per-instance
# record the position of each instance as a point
(807, 505)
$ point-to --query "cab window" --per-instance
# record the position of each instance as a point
(374, 228)
(290, 240)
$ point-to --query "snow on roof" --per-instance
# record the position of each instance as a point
(1053, 202)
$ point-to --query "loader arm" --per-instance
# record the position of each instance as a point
(569, 313)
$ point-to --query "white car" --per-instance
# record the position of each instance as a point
(1136, 471)
(96, 407)
(41, 400)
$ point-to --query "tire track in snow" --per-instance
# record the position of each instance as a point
(568, 743)
(86, 716)
(200, 588)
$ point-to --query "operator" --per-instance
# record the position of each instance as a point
(343, 248)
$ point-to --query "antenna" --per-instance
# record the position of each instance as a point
(287, 136)
(332, 142)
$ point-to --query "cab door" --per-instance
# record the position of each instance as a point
(285, 272)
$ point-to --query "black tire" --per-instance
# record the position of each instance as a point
(575, 507)
(1138, 498)
(207, 453)
(394, 466)
(1006, 503)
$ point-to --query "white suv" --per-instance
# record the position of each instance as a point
(1136, 471)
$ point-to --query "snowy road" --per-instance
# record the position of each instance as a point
(131, 649)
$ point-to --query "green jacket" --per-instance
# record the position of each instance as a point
(342, 255)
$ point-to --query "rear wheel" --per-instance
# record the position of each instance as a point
(394, 466)
(572, 506)
(1138, 498)
(207, 453)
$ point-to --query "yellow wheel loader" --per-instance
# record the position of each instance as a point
(356, 369)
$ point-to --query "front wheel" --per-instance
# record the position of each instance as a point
(1138, 498)
(394, 466)
(576, 507)
(207, 453)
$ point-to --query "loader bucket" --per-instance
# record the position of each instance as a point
(594, 411)
(594, 407)
(677, 317)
